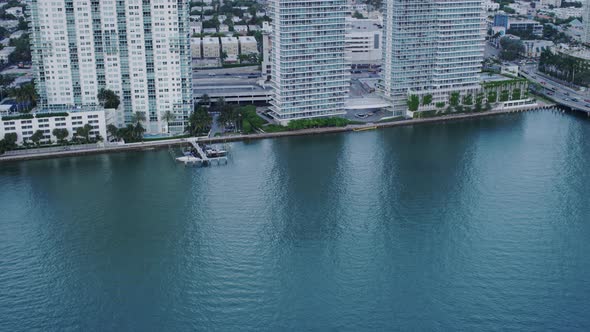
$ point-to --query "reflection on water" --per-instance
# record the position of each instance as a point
(473, 225)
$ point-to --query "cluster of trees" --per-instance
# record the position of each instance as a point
(25, 97)
(231, 117)
(132, 132)
(565, 67)
(317, 123)
(414, 101)
(250, 58)
(8, 142)
(81, 136)
(550, 33)
(199, 121)
(22, 53)
(575, 4)
(511, 48)
(524, 34)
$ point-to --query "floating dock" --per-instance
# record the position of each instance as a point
(203, 159)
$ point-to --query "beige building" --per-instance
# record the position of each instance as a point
(230, 46)
(196, 48)
(248, 45)
(211, 47)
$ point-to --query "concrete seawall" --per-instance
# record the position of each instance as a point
(313, 131)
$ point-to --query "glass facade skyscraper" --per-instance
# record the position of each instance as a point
(310, 74)
(431, 47)
(140, 49)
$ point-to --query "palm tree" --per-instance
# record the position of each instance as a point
(168, 116)
(198, 122)
(205, 100)
(138, 118)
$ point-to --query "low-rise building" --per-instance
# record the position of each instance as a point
(241, 28)
(490, 6)
(196, 48)
(5, 53)
(525, 25)
(533, 48)
(230, 46)
(248, 45)
(17, 34)
(223, 28)
(9, 25)
(211, 47)
(363, 41)
(25, 125)
(552, 3)
(15, 11)
(252, 27)
(196, 27)
(209, 31)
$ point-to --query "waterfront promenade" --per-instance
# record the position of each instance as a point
(312, 131)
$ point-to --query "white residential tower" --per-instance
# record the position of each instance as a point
(310, 74)
(138, 48)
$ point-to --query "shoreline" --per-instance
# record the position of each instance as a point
(304, 132)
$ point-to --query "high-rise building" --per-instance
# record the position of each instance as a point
(140, 49)
(310, 74)
(431, 47)
(586, 20)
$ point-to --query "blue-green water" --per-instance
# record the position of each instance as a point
(474, 225)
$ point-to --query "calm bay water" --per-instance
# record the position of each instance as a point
(474, 225)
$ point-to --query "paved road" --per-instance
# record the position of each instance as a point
(556, 91)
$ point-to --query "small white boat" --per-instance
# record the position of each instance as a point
(214, 153)
(188, 159)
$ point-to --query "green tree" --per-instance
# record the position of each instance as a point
(468, 100)
(84, 132)
(454, 99)
(37, 137)
(10, 140)
(205, 100)
(199, 122)
(168, 117)
(138, 118)
(413, 103)
(108, 99)
(511, 48)
(504, 95)
(427, 99)
(113, 131)
(61, 134)
(516, 94)
(492, 97)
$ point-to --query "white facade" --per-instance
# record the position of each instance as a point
(490, 6)
(196, 27)
(211, 47)
(80, 47)
(363, 41)
(24, 128)
(431, 47)
(554, 3)
(310, 74)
